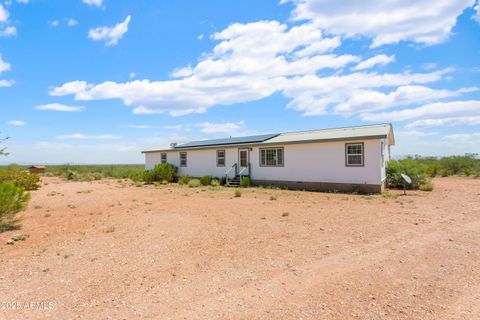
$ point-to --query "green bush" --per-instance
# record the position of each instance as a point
(414, 169)
(223, 181)
(206, 180)
(245, 182)
(194, 183)
(459, 164)
(161, 172)
(111, 171)
(214, 183)
(13, 199)
(426, 186)
(238, 193)
(184, 179)
(20, 179)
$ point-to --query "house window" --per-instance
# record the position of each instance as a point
(220, 158)
(163, 157)
(271, 157)
(183, 159)
(354, 155)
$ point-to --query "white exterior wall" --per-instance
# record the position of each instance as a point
(308, 162)
(199, 162)
(321, 162)
(386, 158)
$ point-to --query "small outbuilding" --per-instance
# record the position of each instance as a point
(37, 169)
(344, 159)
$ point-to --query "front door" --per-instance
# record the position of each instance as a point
(243, 158)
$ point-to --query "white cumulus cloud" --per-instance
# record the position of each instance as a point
(422, 21)
(6, 83)
(59, 107)
(72, 22)
(110, 35)
(17, 123)
(208, 127)
(4, 66)
(81, 136)
(97, 3)
(8, 32)
(445, 122)
(470, 107)
(380, 59)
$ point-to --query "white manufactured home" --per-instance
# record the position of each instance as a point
(343, 159)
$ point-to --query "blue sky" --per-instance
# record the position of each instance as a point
(97, 81)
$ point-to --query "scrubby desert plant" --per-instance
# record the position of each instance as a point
(214, 183)
(194, 183)
(184, 179)
(20, 179)
(415, 170)
(13, 199)
(206, 180)
(238, 193)
(223, 181)
(427, 186)
(162, 171)
(245, 182)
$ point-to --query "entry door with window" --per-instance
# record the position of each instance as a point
(243, 158)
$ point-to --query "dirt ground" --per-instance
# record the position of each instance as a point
(111, 250)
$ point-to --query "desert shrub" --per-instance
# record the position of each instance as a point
(223, 181)
(161, 172)
(238, 193)
(459, 164)
(194, 183)
(111, 171)
(445, 173)
(184, 179)
(427, 186)
(20, 179)
(245, 182)
(206, 180)
(414, 169)
(214, 183)
(13, 199)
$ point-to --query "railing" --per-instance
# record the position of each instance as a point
(244, 172)
(229, 170)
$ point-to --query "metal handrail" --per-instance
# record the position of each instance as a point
(228, 171)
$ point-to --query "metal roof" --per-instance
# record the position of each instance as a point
(369, 131)
(227, 141)
(348, 133)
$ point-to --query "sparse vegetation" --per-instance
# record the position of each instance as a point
(206, 180)
(238, 193)
(272, 197)
(13, 199)
(20, 178)
(390, 195)
(184, 179)
(194, 183)
(421, 168)
(245, 182)
(426, 186)
(215, 183)
(20, 237)
(161, 172)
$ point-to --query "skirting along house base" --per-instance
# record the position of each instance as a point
(343, 159)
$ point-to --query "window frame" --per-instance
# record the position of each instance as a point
(186, 162)
(161, 157)
(362, 154)
(271, 148)
(224, 158)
